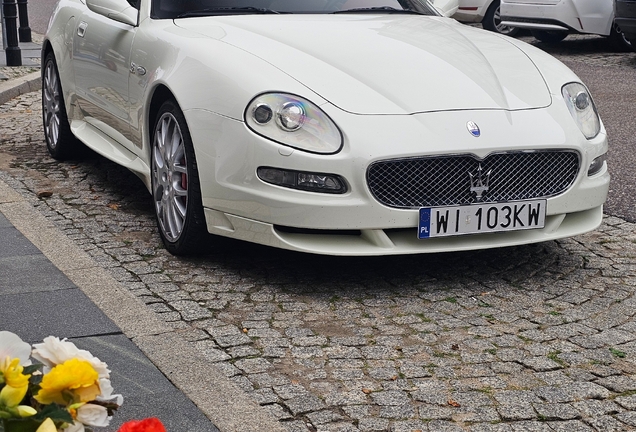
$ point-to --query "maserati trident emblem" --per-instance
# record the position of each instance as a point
(473, 129)
(479, 183)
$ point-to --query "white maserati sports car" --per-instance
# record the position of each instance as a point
(342, 127)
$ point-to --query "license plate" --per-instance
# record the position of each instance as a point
(481, 218)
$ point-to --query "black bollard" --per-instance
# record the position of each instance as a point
(24, 31)
(13, 53)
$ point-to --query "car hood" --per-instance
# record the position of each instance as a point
(395, 64)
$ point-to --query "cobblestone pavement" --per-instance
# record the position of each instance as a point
(532, 338)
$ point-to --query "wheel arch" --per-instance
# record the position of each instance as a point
(160, 94)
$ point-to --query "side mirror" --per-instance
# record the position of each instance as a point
(118, 10)
(446, 7)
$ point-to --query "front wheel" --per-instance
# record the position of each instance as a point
(492, 21)
(176, 190)
(60, 141)
(549, 36)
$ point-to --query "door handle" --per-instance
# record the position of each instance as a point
(81, 29)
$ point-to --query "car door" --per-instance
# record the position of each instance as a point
(101, 61)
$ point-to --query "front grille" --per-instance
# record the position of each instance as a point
(445, 180)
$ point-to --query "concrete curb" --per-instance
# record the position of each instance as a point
(18, 86)
(229, 407)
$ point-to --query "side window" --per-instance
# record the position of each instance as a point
(134, 3)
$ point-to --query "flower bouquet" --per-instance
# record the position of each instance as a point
(67, 390)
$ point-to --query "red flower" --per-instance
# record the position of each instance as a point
(151, 424)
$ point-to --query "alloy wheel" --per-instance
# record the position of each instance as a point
(170, 177)
(503, 29)
(51, 104)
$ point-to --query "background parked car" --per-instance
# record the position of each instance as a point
(626, 19)
(485, 12)
(552, 20)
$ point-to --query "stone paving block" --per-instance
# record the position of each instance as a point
(253, 365)
(211, 352)
(530, 426)
(627, 417)
(384, 398)
(444, 426)
(435, 412)
(556, 411)
(554, 394)
(618, 384)
(324, 417)
(407, 426)
(516, 411)
(606, 424)
(627, 402)
(489, 427)
(304, 404)
(570, 426)
(596, 408)
(540, 364)
(397, 412)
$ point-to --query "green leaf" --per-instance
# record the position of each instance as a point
(28, 370)
(55, 412)
(21, 425)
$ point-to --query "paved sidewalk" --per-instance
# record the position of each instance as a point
(38, 300)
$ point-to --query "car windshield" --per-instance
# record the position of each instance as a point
(168, 9)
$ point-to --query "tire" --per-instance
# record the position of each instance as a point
(60, 141)
(176, 190)
(620, 40)
(492, 21)
(549, 36)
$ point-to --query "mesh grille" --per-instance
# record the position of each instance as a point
(445, 180)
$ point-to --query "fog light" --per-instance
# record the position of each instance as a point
(596, 165)
(314, 182)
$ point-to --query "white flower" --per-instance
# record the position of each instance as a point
(75, 427)
(93, 415)
(107, 392)
(53, 351)
(13, 347)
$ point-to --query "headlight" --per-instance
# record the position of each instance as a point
(582, 108)
(293, 121)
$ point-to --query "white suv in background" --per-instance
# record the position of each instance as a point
(552, 20)
(485, 12)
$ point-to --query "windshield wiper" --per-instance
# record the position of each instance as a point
(384, 9)
(227, 11)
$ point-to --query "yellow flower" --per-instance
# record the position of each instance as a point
(16, 383)
(74, 380)
(26, 411)
(47, 426)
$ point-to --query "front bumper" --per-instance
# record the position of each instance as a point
(239, 205)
